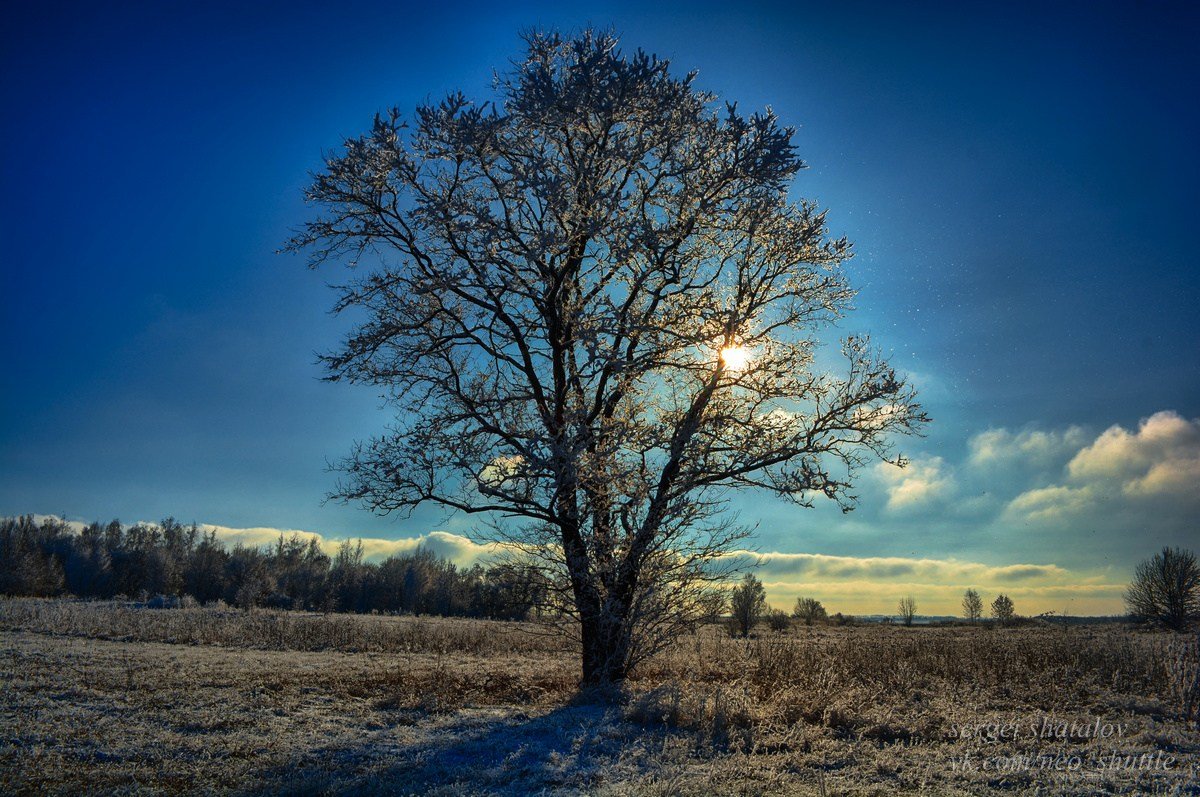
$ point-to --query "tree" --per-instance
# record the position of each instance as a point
(972, 605)
(778, 620)
(249, 583)
(204, 577)
(594, 310)
(747, 601)
(1166, 589)
(1002, 609)
(347, 577)
(908, 609)
(809, 610)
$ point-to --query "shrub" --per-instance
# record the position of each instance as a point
(778, 620)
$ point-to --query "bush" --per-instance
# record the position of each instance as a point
(777, 620)
(163, 602)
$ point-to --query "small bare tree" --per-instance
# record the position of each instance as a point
(1003, 610)
(1166, 589)
(747, 601)
(908, 609)
(972, 605)
(809, 610)
(595, 310)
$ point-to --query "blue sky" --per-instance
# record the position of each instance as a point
(1019, 181)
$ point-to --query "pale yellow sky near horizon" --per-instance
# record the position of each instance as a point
(846, 584)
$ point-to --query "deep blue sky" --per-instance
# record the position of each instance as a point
(1020, 181)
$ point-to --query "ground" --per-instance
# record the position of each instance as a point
(115, 698)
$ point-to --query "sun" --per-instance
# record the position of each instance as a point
(735, 358)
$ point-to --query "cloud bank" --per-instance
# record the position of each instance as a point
(454, 547)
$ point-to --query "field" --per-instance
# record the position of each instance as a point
(105, 697)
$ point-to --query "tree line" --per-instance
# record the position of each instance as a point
(49, 558)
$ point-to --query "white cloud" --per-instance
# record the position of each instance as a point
(500, 470)
(74, 525)
(920, 482)
(1179, 477)
(454, 547)
(1161, 457)
(1030, 447)
(457, 548)
(1118, 470)
(1051, 503)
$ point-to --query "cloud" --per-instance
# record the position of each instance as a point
(1051, 503)
(922, 481)
(454, 547)
(821, 567)
(458, 549)
(1031, 447)
(1119, 471)
(461, 550)
(1161, 458)
(1175, 477)
(75, 525)
(881, 417)
(500, 470)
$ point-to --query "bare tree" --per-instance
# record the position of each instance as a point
(747, 601)
(1003, 610)
(972, 605)
(595, 310)
(1166, 589)
(809, 610)
(907, 609)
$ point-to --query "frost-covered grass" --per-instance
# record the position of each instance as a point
(111, 698)
(274, 630)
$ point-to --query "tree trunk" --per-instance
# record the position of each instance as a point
(605, 651)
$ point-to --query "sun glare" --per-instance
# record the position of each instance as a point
(735, 358)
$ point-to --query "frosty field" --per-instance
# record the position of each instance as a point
(112, 698)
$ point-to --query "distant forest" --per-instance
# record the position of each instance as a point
(173, 561)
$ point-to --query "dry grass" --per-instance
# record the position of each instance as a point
(274, 630)
(110, 698)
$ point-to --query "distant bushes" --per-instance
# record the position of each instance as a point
(182, 564)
